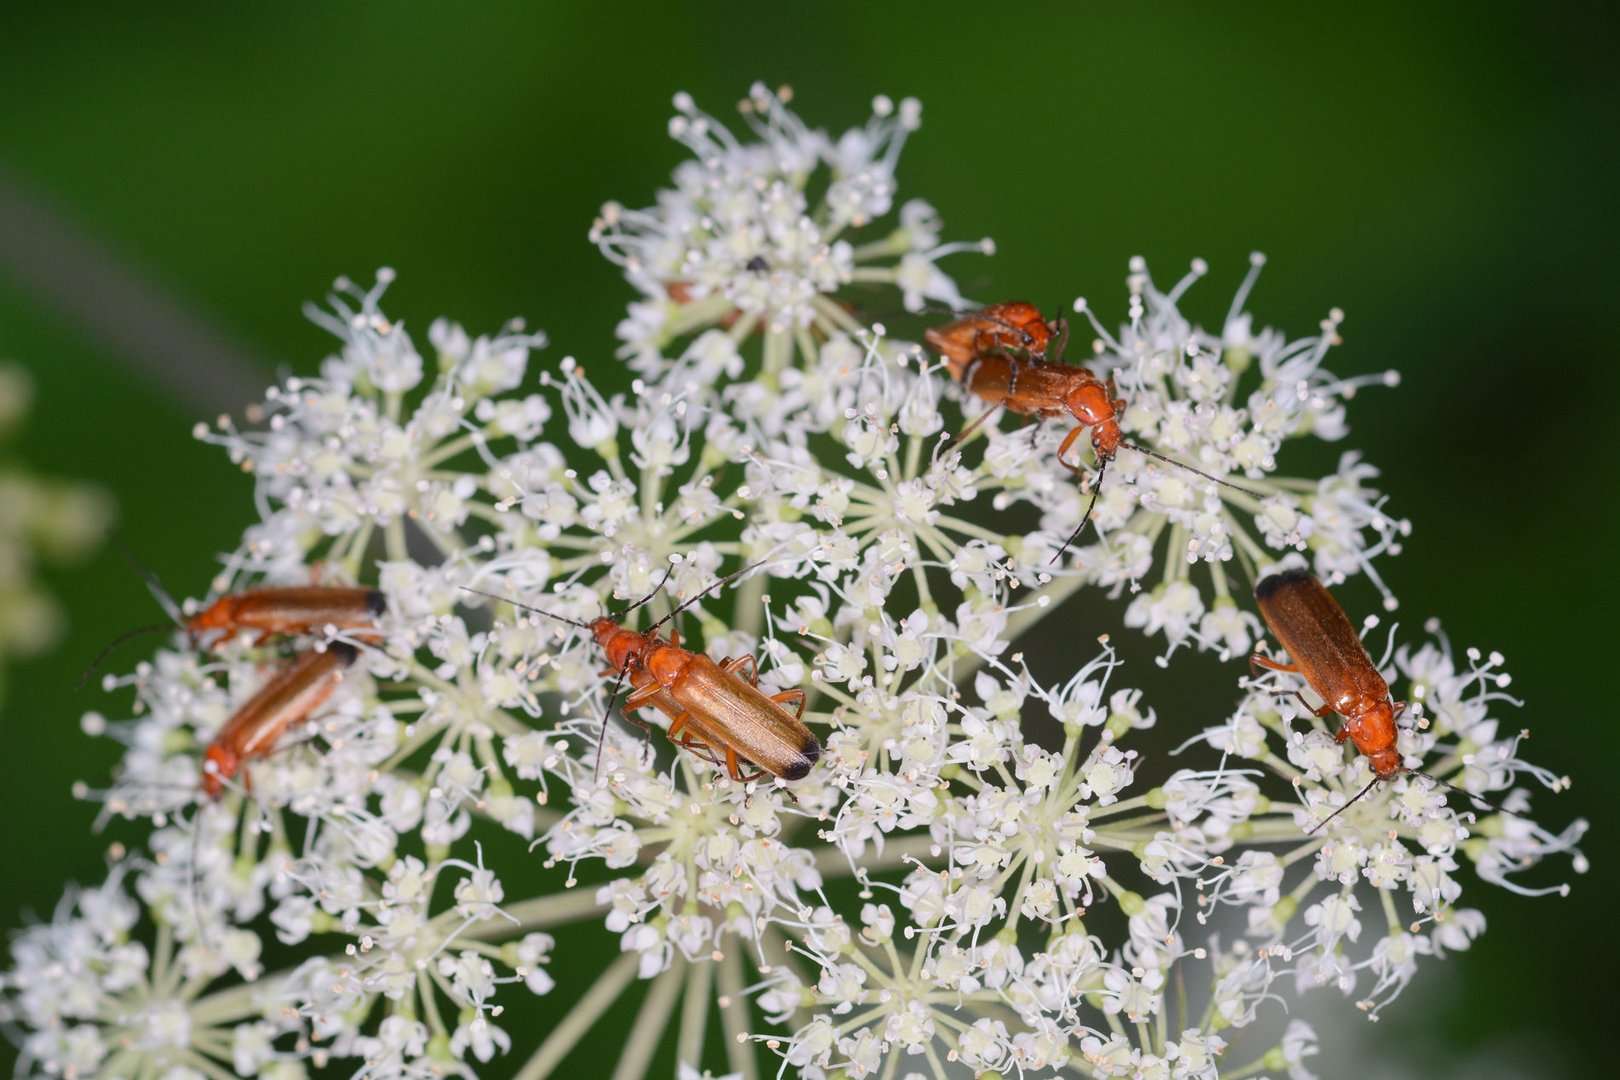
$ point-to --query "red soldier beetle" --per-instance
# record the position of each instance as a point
(297, 609)
(293, 610)
(1011, 356)
(1014, 325)
(1326, 650)
(716, 710)
(287, 699)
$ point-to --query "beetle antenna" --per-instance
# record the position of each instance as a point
(656, 589)
(196, 883)
(607, 714)
(1102, 467)
(165, 601)
(733, 576)
(117, 641)
(526, 607)
(1059, 329)
(1346, 806)
(1464, 792)
(1191, 469)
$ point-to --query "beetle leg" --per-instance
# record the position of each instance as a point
(1261, 660)
(1400, 707)
(1318, 713)
(734, 769)
(994, 341)
(641, 695)
(628, 710)
(978, 420)
(791, 695)
(698, 749)
(1059, 328)
(1118, 404)
(1063, 448)
(732, 667)
(1312, 709)
(674, 638)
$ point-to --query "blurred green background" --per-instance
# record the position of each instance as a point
(1444, 173)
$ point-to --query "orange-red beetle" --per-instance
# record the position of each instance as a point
(288, 698)
(1015, 326)
(294, 610)
(1327, 651)
(299, 609)
(1325, 648)
(715, 709)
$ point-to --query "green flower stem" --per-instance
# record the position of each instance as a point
(831, 861)
(542, 912)
(651, 1022)
(581, 1018)
(695, 1013)
(735, 1017)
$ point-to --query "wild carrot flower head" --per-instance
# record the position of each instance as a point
(983, 871)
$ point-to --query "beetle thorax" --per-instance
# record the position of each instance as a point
(1090, 405)
(216, 616)
(665, 662)
(219, 765)
(1372, 729)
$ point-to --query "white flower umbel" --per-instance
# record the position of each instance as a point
(98, 1002)
(1393, 854)
(982, 875)
(999, 833)
(764, 235)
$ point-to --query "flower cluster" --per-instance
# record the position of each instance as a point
(1183, 387)
(40, 519)
(955, 865)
